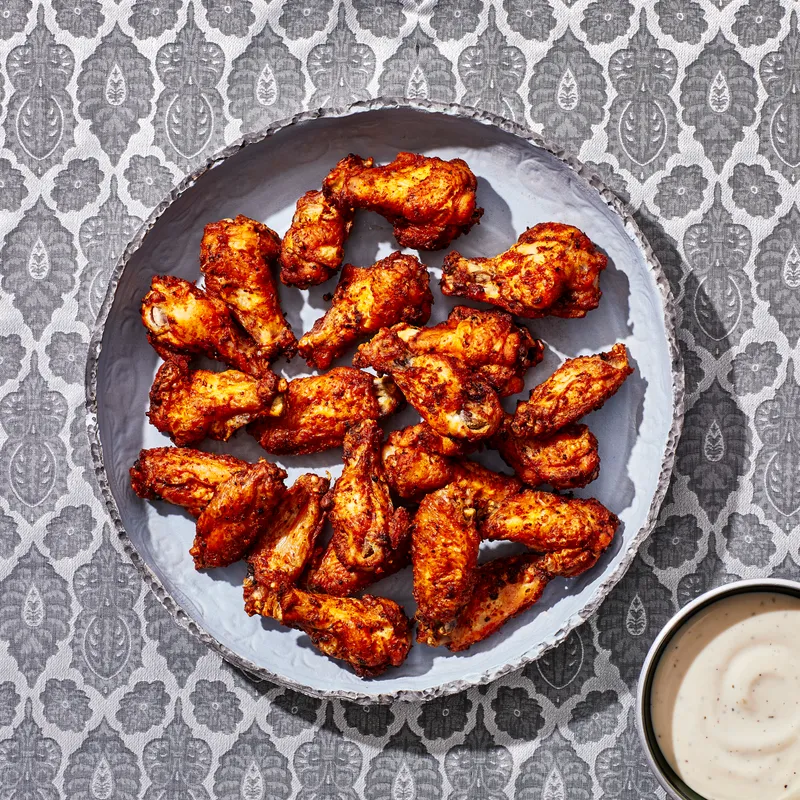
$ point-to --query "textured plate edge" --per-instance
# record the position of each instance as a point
(667, 463)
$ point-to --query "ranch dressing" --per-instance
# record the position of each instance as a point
(725, 701)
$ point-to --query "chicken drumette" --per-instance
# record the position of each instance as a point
(395, 289)
(428, 201)
(236, 257)
(552, 269)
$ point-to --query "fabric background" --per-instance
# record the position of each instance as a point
(687, 108)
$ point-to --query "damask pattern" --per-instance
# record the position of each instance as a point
(687, 109)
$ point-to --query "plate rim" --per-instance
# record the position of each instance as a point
(535, 652)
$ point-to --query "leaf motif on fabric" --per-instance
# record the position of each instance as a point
(554, 788)
(643, 130)
(417, 87)
(33, 608)
(116, 88)
(780, 479)
(403, 785)
(39, 261)
(718, 304)
(719, 95)
(636, 618)
(554, 772)
(560, 666)
(791, 268)
(266, 87)
(567, 92)
(106, 644)
(252, 787)
(714, 443)
(102, 784)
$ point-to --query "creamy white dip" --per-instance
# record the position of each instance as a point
(725, 700)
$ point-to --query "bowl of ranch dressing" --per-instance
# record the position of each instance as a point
(719, 695)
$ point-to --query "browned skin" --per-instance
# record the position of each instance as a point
(366, 525)
(189, 405)
(182, 476)
(567, 459)
(369, 633)
(318, 410)
(236, 515)
(313, 248)
(489, 489)
(578, 386)
(547, 522)
(183, 320)
(428, 201)
(283, 547)
(553, 269)
(236, 257)
(444, 552)
(454, 401)
(395, 289)
(486, 342)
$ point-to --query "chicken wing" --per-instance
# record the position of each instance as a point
(236, 257)
(485, 342)
(189, 405)
(455, 402)
(567, 459)
(553, 269)
(313, 248)
(182, 476)
(237, 513)
(489, 489)
(318, 410)
(428, 201)
(395, 289)
(366, 526)
(369, 633)
(546, 522)
(444, 552)
(578, 386)
(283, 547)
(183, 320)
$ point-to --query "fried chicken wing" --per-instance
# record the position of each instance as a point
(369, 633)
(189, 405)
(489, 489)
(366, 526)
(578, 386)
(395, 289)
(313, 248)
(485, 342)
(286, 543)
(444, 552)
(455, 402)
(428, 201)
(237, 513)
(182, 476)
(236, 257)
(183, 320)
(553, 269)
(567, 459)
(547, 522)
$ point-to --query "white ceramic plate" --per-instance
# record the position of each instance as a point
(521, 182)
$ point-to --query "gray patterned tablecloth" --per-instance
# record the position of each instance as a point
(689, 109)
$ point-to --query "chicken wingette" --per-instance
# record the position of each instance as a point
(183, 320)
(489, 489)
(395, 289)
(317, 411)
(189, 405)
(553, 269)
(428, 201)
(578, 386)
(369, 633)
(236, 258)
(454, 401)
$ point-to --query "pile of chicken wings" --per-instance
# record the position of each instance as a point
(414, 497)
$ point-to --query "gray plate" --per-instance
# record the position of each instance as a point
(521, 181)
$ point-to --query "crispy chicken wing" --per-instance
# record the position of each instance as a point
(237, 513)
(395, 289)
(547, 522)
(286, 543)
(366, 526)
(444, 552)
(567, 459)
(428, 201)
(236, 257)
(489, 489)
(318, 410)
(369, 633)
(486, 342)
(552, 269)
(455, 402)
(183, 320)
(578, 386)
(189, 405)
(182, 476)
(313, 248)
